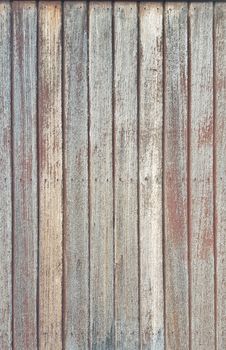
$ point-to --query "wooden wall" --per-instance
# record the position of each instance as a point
(112, 175)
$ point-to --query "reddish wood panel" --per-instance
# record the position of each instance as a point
(176, 177)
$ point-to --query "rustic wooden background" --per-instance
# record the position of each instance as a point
(112, 175)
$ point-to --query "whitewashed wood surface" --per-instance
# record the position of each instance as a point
(112, 175)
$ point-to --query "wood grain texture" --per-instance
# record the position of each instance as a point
(76, 233)
(5, 180)
(175, 177)
(25, 206)
(220, 175)
(150, 165)
(126, 176)
(201, 176)
(101, 184)
(50, 176)
(112, 175)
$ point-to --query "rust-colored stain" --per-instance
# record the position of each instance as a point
(206, 134)
(112, 175)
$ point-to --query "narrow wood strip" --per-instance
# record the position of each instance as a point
(25, 174)
(101, 184)
(50, 176)
(220, 149)
(76, 234)
(5, 180)
(150, 165)
(126, 176)
(201, 181)
(175, 181)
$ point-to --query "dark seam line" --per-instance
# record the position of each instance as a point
(138, 174)
(189, 178)
(214, 177)
(63, 194)
(37, 155)
(12, 165)
(89, 175)
(163, 171)
(113, 163)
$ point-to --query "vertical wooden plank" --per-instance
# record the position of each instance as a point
(76, 233)
(126, 176)
(25, 175)
(101, 193)
(50, 176)
(5, 181)
(220, 149)
(201, 176)
(150, 165)
(175, 179)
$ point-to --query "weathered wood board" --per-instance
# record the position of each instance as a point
(5, 179)
(201, 235)
(112, 175)
(220, 171)
(76, 208)
(176, 176)
(126, 176)
(25, 177)
(50, 174)
(150, 179)
(100, 176)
